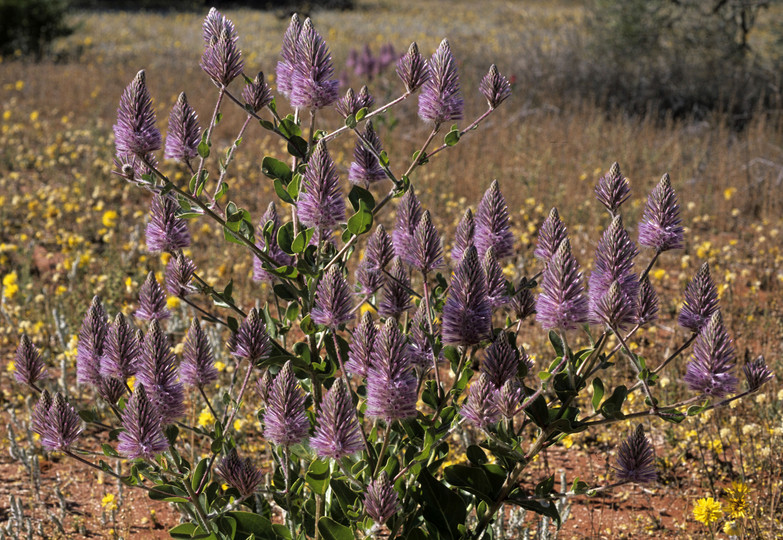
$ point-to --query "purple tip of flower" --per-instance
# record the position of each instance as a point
(508, 399)
(380, 250)
(39, 419)
(62, 425)
(215, 23)
(479, 407)
(285, 67)
(492, 226)
(198, 361)
(413, 69)
(285, 421)
(661, 227)
(239, 473)
(391, 382)
(551, 233)
(179, 273)
(257, 93)
(615, 308)
(252, 339)
(263, 384)
(121, 350)
(111, 389)
(142, 435)
(158, 373)
(420, 347)
(463, 237)
(365, 168)
(757, 373)
(321, 203)
(497, 288)
(636, 459)
(352, 103)
(501, 361)
(701, 300)
(467, 313)
(92, 337)
(711, 369)
(152, 301)
(166, 231)
(132, 168)
(495, 87)
(270, 245)
(362, 345)
(647, 310)
(333, 304)
(396, 292)
(613, 189)
(523, 303)
(184, 134)
(408, 216)
(312, 86)
(562, 303)
(222, 59)
(380, 500)
(427, 250)
(135, 132)
(337, 434)
(369, 279)
(29, 367)
(440, 99)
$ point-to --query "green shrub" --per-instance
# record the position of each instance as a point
(29, 26)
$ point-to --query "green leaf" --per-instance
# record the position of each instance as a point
(317, 476)
(183, 530)
(282, 192)
(251, 523)
(361, 221)
(276, 170)
(361, 113)
(452, 137)
(302, 240)
(168, 493)
(441, 506)
(544, 509)
(598, 392)
(557, 343)
(307, 325)
(297, 146)
(476, 455)
(358, 194)
(331, 530)
(89, 416)
(285, 237)
(545, 486)
(612, 406)
(350, 121)
(472, 479)
(384, 158)
(579, 487)
(108, 451)
(294, 186)
(203, 149)
(198, 474)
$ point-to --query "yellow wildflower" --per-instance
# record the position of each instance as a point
(206, 418)
(731, 528)
(108, 502)
(737, 500)
(172, 302)
(707, 511)
(10, 285)
(109, 219)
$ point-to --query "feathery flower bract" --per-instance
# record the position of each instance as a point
(142, 435)
(551, 233)
(239, 473)
(757, 373)
(711, 369)
(523, 303)
(463, 236)
(152, 300)
(222, 59)
(380, 500)
(29, 367)
(184, 133)
(440, 99)
(427, 250)
(479, 408)
(158, 373)
(121, 350)
(501, 361)
(467, 313)
(89, 349)
(352, 103)
(62, 426)
(321, 203)
(408, 216)
(285, 67)
(166, 231)
(562, 303)
(391, 382)
(273, 250)
(495, 87)
(614, 262)
(647, 310)
(613, 189)
(312, 86)
(701, 300)
(285, 421)
(252, 339)
(420, 346)
(361, 346)
(413, 69)
(365, 168)
(257, 93)
(333, 305)
(179, 273)
(661, 227)
(635, 459)
(39, 419)
(497, 290)
(337, 434)
(396, 292)
(508, 399)
(135, 132)
(198, 362)
(492, 226)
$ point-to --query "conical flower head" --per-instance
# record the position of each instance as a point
(467, 314)
(391, 382)
(380, 250)
(158, 373)
(257, 93)
(285, 421)
(333, 304)
(62, 427)
(222, 59)
(701, 300)
(440, 99)
(551, 233)
(613, 189)
(285, 67)
(121, 350)
(89, 349)
(184, 134)
(337, 434)
(281, 258)
(463, 237)
(380, 500)
(508, 399)
(614, 308)
(420, 346)
(198, 361)
(312, 86)
(252, 339)
(492, 226)
(496, 282)
(135, 132)
(413, 69)
(711, 369)
(362, 344)
(408, 216)
(239, 473)
(142, 435)
(39, 420)
(166, 231)
(369, 279)
(263, 384)
(396, 292)
(523, 303)
(29, 367)
(111, 389)
(757, 373)
(427, 250)
(352, 103)
(321, 203)
(365, 168)
(152, 300)
(562, 303)
(647, 310)
(179, 273)
(661, 227)
(501, 361)
(215, 23)
(495, 87)
(636, 459)
(479, 407)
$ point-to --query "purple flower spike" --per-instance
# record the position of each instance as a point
(381, 501)
(252, 339)
(420, 347)
(312, 86)
(562, 303)
(701, 300)
(550, 235)
(647, 310)
(333, 305)
(613, 189)
(479, 407)
(222, 59)
(239, 473)
(757, 373)
(121, 351)
(263, 384)
(143, 435)
(661, 227)
(413, 69)
(523, 303)
(152, 301)
(427, 251)
(29, 366)
(338, 434)
(135, 132)
(166, 231)
(213, 26)
(492, 227)
(62, 426)
(184, 133)
(391, 382)
(361, 347)
(285, 421)
(508, 399)
(111, 389)
(501, 361)
(352, 103)
(40, 418)
(380, 250)
(408, 216)
(496, 282)
(92, 337)
(463, 237)
(158, 373)
(321, 203)
(615, 308)
(467, 314)
(198, 362)
(365, 169)
(179, 274)
(369, 280)
(396, 292)
(285, 67)
(257, 93)
(495, 87)
(636, 459)
(711, 370)
(280, 257)
(440, 99)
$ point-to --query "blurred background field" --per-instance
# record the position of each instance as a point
(592, 83)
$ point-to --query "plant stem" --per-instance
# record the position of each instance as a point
(242, 389)
(197, 505)
(384, 447)
(328, 137)
(206, 400)
(650, 265)
(471, 127)
(432, 333)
